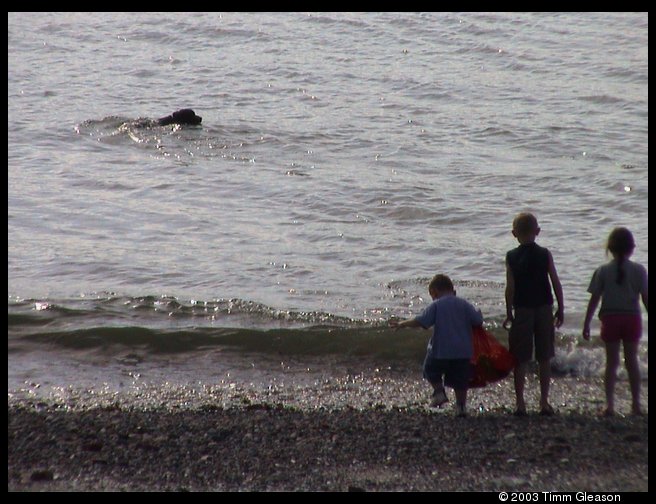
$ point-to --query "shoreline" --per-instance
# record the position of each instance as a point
(247, 440)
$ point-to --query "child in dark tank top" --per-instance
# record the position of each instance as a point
(530, 278)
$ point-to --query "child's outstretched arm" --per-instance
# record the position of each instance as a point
(396, 324)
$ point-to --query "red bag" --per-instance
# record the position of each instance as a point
(491, 361)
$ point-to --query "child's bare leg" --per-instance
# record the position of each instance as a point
(437, 386)
(545, 379)
(461, 401)
(439, 396)
(610, 376)
(519, 377)
(633, 370)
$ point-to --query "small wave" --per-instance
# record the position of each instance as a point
(367, 344)
(601, 99)
(342, 19)
(151, 325)
(315, 341)
(161, 313)
(493, 131)
(638, 76)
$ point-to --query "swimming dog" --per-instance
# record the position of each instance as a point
(183, 116)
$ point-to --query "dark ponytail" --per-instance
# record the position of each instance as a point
(619, 279)
(621, 245)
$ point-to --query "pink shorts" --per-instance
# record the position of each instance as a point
(621, 327)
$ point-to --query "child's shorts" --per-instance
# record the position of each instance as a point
(621, 327)
(532, 326)
(456, 372)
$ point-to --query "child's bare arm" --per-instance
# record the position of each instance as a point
(396, 324)
(592, 307)
(558, 291)
(510, 294)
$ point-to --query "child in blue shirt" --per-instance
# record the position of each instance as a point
(450, 349)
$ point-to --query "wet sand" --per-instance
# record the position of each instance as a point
(328, 437)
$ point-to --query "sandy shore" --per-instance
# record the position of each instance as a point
(244, 439)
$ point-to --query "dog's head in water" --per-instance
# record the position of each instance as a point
(183, 116)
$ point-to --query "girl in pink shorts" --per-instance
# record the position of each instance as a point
(619, 285)
(625, 327)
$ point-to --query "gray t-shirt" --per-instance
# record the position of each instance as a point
(619, 298)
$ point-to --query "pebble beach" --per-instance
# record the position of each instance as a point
(372, 432)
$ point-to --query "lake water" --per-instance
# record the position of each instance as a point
(343, 160)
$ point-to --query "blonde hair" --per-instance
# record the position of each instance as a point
(525, 224)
